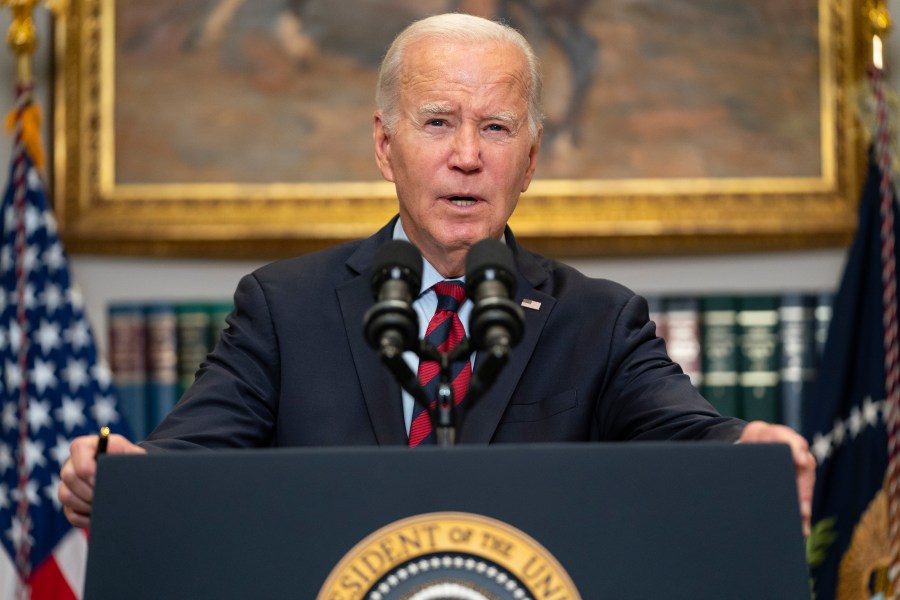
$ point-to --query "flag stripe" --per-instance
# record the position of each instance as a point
(8, 576)
(48, 583)
(71, 558)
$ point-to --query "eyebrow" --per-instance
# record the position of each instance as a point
(437, 108)
(506, 116)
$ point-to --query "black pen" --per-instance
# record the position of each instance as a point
(102, 441)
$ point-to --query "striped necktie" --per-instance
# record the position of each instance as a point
(445, 331)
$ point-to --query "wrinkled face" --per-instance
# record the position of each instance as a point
(461, 151)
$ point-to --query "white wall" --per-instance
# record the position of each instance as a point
(103, 279)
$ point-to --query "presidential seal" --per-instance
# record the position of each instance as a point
(448, 556)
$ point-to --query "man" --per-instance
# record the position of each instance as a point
(457, 129)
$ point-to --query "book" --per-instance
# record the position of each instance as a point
(162, 361)
(155, 351)
(128, 362)
(823, 313)
(194, 334)
(720, 353)
(682, 316)
(656, 307)
(796, 330)
(758, 358)
(748, 355)
(218, 312)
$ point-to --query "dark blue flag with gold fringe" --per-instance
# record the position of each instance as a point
(850, 550)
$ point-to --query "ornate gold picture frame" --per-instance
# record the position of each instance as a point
(630, 171)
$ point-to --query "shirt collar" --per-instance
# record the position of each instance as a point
(430, 275)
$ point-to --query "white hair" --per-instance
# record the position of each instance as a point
(454, 27)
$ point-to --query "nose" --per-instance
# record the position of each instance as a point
(465, 153)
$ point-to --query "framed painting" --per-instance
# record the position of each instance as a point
(231, 128)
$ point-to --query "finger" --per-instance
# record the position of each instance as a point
(762, 432)
(119, 444)
(804, 461)
(79, 472)
(73, 501)
(806, 480)
(73, 485)
(77, 519)
(81, 456)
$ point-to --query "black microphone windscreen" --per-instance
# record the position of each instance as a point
(399, 255)
(490, 256)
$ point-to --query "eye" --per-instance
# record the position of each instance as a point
(437, 122)
(497, 127)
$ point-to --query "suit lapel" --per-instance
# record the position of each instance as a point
(380, 391)
(481, 419)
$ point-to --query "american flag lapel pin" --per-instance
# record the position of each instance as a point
(532, 304)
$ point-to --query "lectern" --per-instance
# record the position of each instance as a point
(548, 522)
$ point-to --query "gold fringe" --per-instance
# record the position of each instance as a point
(869, 553)
(31, 131)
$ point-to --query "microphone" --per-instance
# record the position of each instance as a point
(496, 322)
(391, 326)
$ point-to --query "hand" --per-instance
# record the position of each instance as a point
(804, 461)
(78, 473)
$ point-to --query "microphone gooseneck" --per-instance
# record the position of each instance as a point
(496, 325)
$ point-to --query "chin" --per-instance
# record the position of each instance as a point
(463, 239)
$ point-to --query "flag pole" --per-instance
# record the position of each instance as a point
(22, 40)
(880, 22)
(24, 121)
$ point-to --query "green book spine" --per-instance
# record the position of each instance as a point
(193, 341)
(720, 353)
(218, 314)
(798, 355)
(758, 380)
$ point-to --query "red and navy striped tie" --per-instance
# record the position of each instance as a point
(445, 331)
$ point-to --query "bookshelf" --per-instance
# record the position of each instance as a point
(179, 284)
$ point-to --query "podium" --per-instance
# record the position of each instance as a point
(590, 521)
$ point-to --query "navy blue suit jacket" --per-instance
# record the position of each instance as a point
(293, 367)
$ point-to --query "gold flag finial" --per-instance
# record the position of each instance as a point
(22, 35)
(879, 24)
(22, 40)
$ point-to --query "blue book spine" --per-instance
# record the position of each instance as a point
(796, 331)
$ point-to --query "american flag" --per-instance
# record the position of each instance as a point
(52, 388)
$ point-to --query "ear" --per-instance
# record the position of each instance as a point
(382, 147)
(532, 159)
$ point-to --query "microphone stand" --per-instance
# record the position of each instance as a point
(445, 420)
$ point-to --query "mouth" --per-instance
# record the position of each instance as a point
(463, 200)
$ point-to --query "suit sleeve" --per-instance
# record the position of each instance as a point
(646, 395)
(233, 401)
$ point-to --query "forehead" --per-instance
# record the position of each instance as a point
(432, 67)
